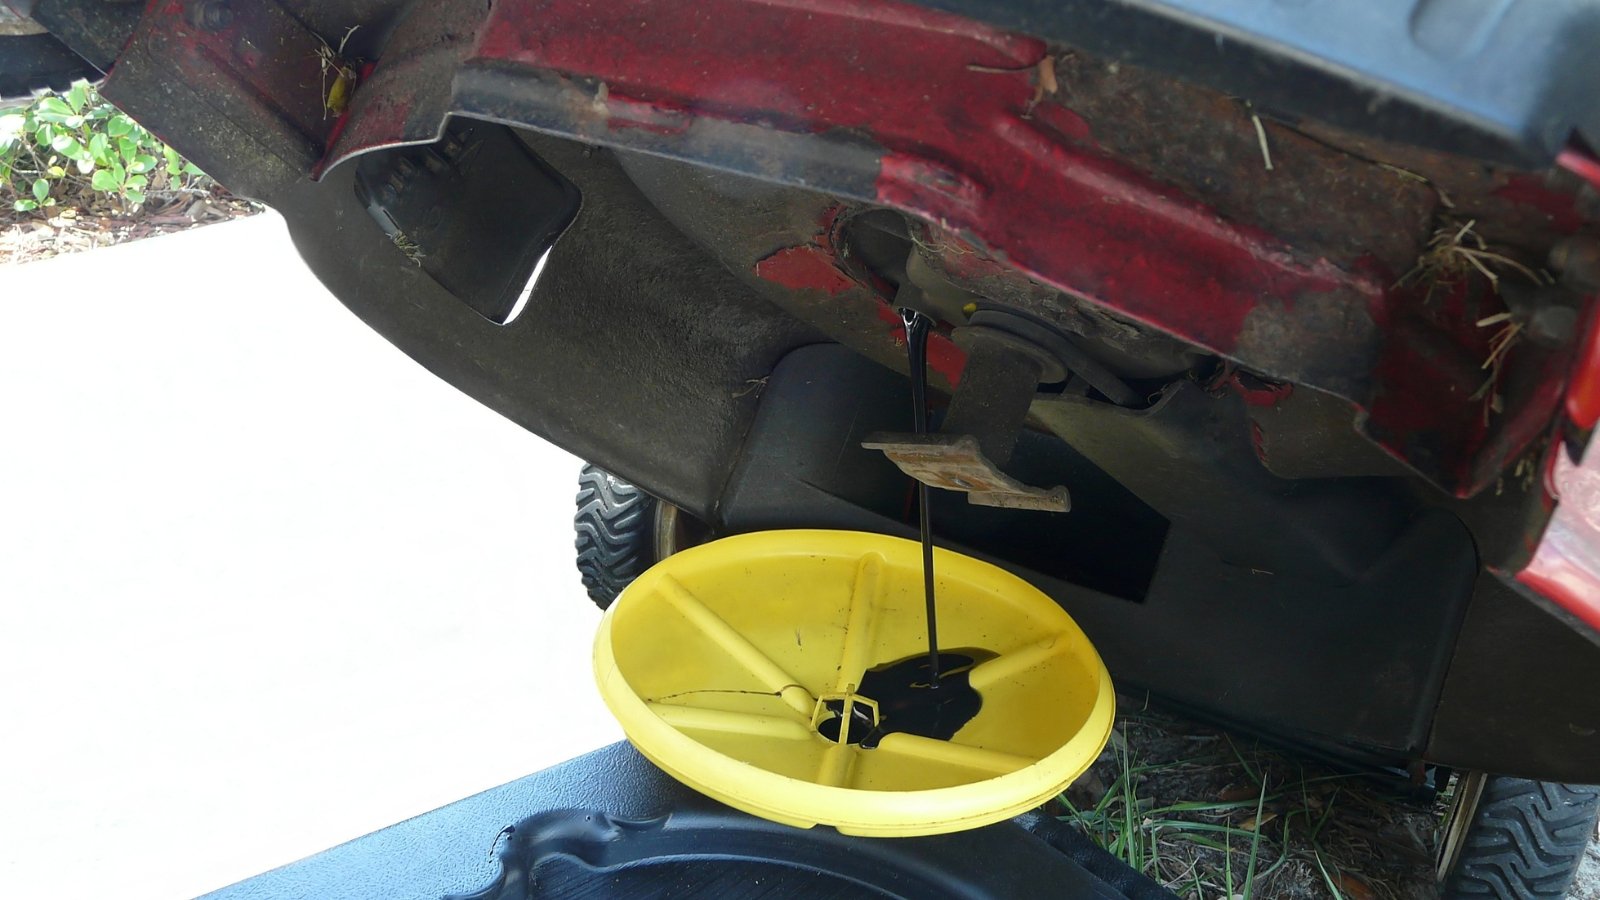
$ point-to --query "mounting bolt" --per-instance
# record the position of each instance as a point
(211, 15)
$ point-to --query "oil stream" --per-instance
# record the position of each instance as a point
(917, 327)
(927, 695)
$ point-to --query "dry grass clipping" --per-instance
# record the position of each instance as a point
(1210, 815)
(409, 247)
(1455, 252)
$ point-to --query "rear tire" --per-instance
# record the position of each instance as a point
(1513, 838)
(616, 526)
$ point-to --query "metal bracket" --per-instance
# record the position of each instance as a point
(956, 463)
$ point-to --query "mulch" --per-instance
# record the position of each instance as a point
(90, 221)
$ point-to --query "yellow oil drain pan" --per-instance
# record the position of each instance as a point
(745, 669)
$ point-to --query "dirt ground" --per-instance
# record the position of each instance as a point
(92, 221)
(1588, 885)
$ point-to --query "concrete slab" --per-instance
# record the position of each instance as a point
(265, 583)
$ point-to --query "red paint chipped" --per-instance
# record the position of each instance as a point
(805, 269)
(755, 54)
(1104, 232)
(950, 105)
(963, 145)
(1257, 392)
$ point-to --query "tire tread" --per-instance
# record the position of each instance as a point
(615, 524)
(1526, 840)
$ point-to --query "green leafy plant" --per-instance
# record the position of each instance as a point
(63, 145)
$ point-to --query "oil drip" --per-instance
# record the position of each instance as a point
(906, 701)
(917, 327)
(926, 694)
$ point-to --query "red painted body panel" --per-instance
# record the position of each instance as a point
(1566, 567)
(970, 138)
(1583, 396)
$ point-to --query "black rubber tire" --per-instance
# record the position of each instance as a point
(616, 525)
(1525, 839)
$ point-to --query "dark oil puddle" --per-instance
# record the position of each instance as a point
(909, 701)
